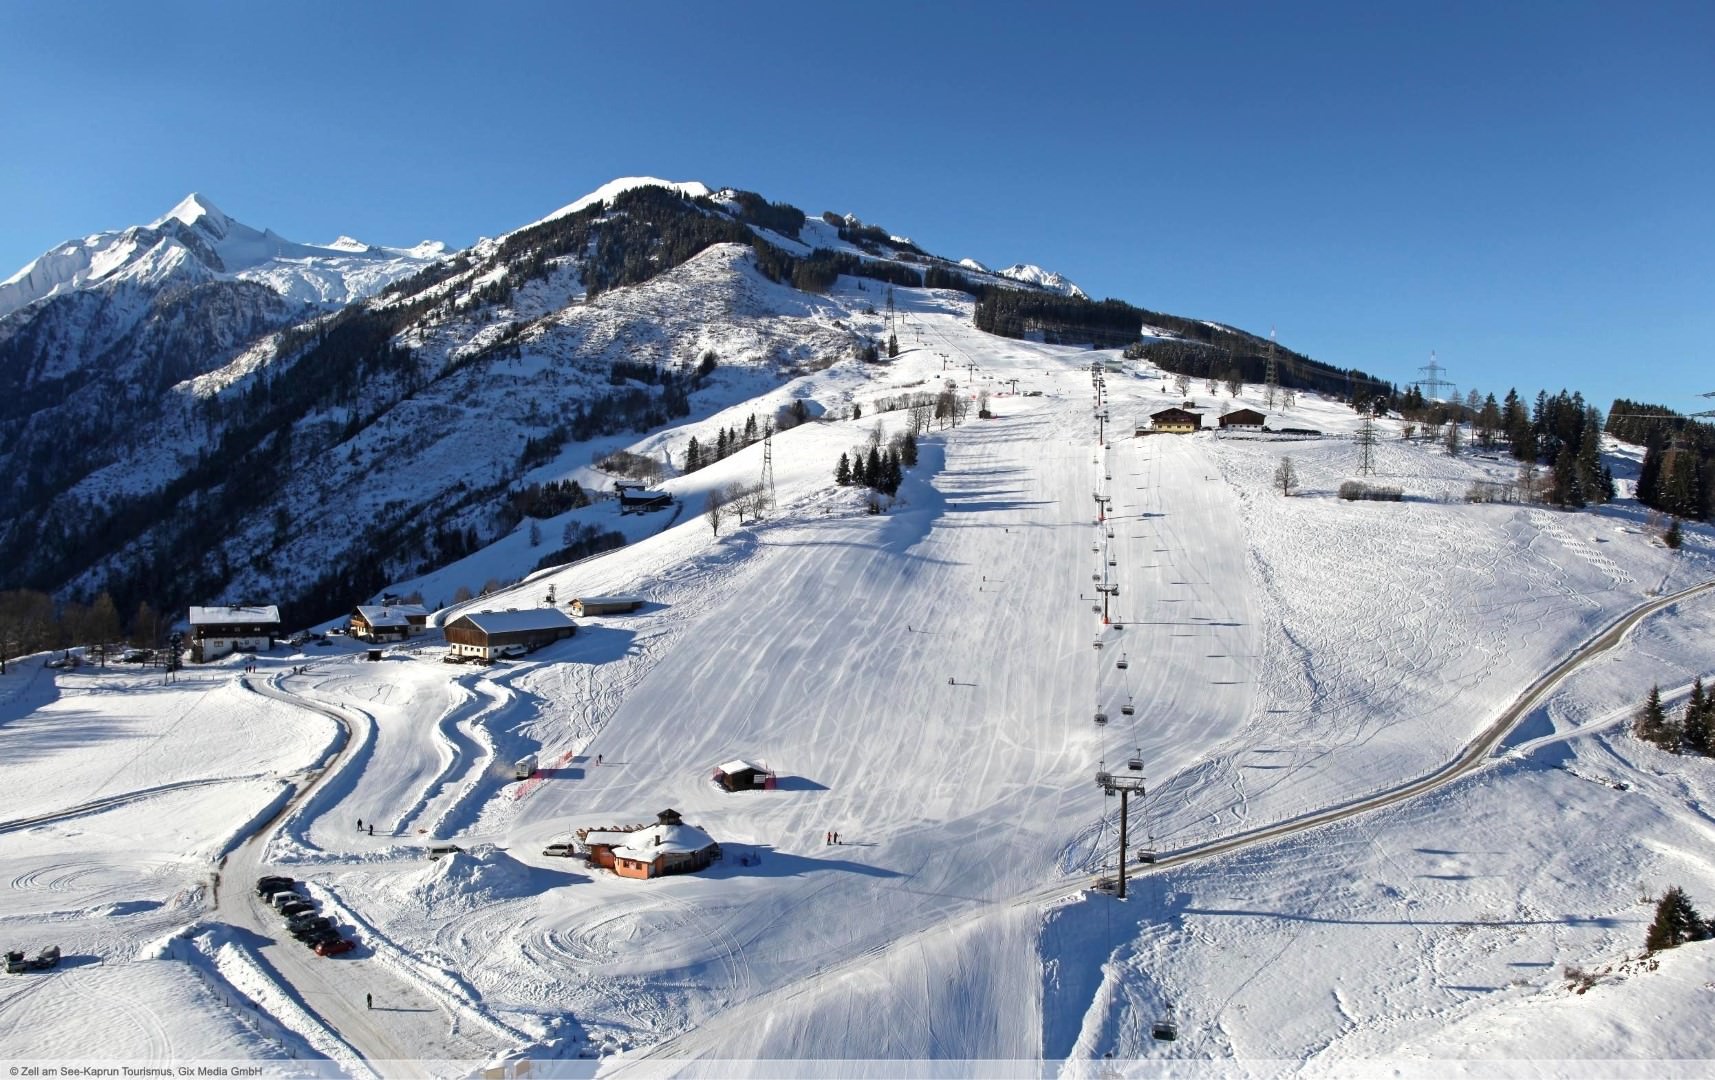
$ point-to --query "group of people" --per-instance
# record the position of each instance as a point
(833, 837)
(371, 826)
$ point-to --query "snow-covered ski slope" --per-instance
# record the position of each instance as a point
(924, 682)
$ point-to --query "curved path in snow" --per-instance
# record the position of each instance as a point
(1475, 755)
(406, 1019)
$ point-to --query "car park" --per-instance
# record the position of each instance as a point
(335, 947)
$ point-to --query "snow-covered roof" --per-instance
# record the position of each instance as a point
(209, 616)
(740, 765)
(390, 614)
(609, 600)
(500, 622)
(645, 844)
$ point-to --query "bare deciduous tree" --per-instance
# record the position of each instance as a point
(714, 508)
(1286, 476)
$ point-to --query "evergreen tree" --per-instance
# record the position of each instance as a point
(750, 429)
(872, 468)
(891, 474)
(860, 475)
(908, 450)
(722, 446)
(693, 455)
(1676, 922)
(1590, 470)
(1488, 422)
(1566, 489)
(1673, 537)
(843, 471)
(1695, 723)
(1651, 723)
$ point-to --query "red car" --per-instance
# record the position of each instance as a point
(335, 947)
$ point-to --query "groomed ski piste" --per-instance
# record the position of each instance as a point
(923, 682)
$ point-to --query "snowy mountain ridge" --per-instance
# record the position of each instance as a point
(196, 242)
(183, 354)
(1042, 279)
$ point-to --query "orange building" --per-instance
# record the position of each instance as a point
(645, 851)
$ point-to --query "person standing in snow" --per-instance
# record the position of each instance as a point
(359, 824)
(372, 828)
(369, 1001)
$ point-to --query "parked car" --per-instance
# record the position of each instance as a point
(62, 662)
(297, 907)
(307, 931)
(335, 947)
(513, 652)
(439, 850)
(562, 851)
(272, 883)
(47, 958)
(134, 656)
(288, 895)
(15, 963)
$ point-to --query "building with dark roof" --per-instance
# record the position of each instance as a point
(488, 635)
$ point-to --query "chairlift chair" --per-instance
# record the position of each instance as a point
(1101, 718)
(1121, 664)
(1128, 710)
(1164, 1030)
(1135, 763)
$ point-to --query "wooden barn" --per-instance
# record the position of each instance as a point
(487, 635)
(221, 631)
(605, 605)
(646, 851)
(1242, 420)
(1175, 421)
(389, 622)
(637, 499)
(740, 775)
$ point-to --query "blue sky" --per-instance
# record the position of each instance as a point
(1525, 190)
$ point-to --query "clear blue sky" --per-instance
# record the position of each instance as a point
(1527, 190)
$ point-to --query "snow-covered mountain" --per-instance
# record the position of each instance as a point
(188, 419)
(195, 242)
(1042, 279)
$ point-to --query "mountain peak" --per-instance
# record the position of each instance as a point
(691, 188)
(194, 208)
